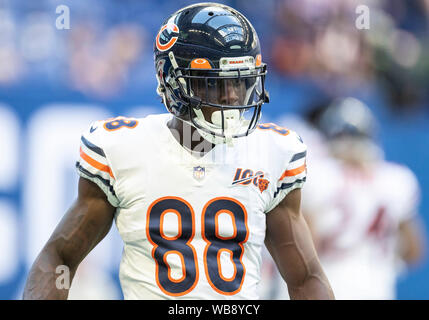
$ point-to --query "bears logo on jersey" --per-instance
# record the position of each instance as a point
(263, 184)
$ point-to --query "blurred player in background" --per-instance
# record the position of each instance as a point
(193, 214)
(362, 210)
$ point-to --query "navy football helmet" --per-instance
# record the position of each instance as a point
(210, 71)
(351, 128)
(348, 117)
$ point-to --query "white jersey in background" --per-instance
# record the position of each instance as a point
(193, 227)
(355, 217)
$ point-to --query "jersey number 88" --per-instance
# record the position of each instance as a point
(181, 244)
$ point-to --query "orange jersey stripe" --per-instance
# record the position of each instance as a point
(293, 172)
(95, 163)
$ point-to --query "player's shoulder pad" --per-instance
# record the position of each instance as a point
(92, 137)
(103, 133)
(281, 138)
(399, 174)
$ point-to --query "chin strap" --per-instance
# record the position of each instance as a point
(231, 123)
(229, 141)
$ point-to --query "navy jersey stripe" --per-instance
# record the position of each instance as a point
(298, 156)
(93, 147)
(104, 181)
(288, 185)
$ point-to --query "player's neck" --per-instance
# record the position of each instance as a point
(188, 137)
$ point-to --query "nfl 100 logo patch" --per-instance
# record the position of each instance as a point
(199, 172)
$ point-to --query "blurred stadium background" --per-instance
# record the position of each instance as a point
(53, 83)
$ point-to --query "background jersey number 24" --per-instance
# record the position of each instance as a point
(181, 244)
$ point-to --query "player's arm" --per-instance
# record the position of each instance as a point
(84, 225)
(289, 241)
(405, 205)
(314, 235)
(411, 241)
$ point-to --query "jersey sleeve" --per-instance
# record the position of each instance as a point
(294, 171)
(93, 163)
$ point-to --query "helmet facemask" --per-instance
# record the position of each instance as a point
(223, 103)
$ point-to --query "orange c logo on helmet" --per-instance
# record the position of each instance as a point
(173, 29)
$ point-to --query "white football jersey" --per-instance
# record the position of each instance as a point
(193, 227)
(356, 216)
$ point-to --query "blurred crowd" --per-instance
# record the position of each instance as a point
(108, 49)
(317, 40)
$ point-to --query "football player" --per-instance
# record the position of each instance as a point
(196, 192)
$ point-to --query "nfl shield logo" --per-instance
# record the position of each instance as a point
(199, 172)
